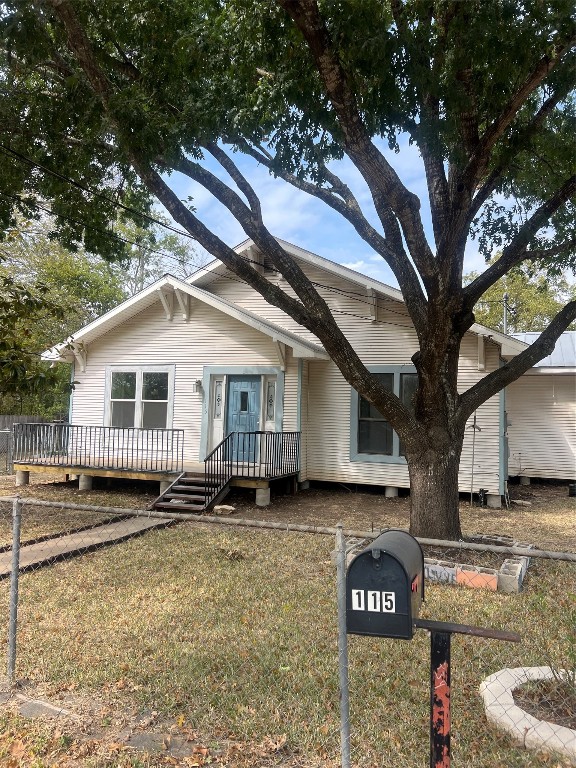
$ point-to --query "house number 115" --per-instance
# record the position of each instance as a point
(373, 601)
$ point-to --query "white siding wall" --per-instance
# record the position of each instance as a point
(542, 426)
(209, 338)
(390, 341)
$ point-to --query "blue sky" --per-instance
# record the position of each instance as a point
(309, 223)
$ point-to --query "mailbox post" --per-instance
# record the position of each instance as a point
(384, 591)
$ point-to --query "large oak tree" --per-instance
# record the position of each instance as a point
(118, 94)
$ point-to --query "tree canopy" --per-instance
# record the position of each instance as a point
(530, 300)
(102, 101)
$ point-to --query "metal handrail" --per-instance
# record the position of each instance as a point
(95, 447)
(256, 455)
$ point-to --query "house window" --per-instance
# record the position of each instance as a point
(371, 436)
(140, 397)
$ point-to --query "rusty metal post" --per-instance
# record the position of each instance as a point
(440, 699)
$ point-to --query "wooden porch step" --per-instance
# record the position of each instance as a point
(187, 496)
(179, 507)
(189, 488)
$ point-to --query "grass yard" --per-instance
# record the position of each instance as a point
(229, 638)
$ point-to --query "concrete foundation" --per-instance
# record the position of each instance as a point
(164, 485)
(304, 485)
(493, 500)
(85, 482)
(262, 497)
(22, 477)
(390, 492)
(524, 480)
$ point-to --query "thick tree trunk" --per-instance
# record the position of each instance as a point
(434, 493)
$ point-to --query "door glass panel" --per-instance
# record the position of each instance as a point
(270, 400)
(123, 385)
(218, 400)
(244, 402)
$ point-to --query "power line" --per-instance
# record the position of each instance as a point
(13, 154)
(9, 152)
(109, 234)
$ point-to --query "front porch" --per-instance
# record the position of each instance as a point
(242, 459)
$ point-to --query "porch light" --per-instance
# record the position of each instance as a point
(198, 387)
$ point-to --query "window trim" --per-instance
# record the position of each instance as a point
(377, 458)
(139, 370)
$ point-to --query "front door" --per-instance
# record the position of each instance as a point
(243, 414)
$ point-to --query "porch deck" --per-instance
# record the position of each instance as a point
(250, 459)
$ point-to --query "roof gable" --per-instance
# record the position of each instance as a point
(169, 286)
(509, 346)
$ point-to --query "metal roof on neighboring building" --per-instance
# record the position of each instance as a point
(564, 355)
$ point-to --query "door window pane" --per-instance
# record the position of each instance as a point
(270, 400)
(243, 402)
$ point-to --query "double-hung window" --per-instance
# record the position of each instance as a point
(140, 397)
(372, 438)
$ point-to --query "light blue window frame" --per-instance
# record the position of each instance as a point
(377, 458)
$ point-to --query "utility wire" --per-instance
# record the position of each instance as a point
(109, 234)
(13, 154)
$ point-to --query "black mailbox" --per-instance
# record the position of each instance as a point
(385, 587)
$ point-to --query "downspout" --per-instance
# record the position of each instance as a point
(503, 443)
(299, 410)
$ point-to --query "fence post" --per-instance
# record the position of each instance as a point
(342, 647)
(12, 626)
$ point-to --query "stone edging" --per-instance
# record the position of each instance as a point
(532, 733)
(508, 578)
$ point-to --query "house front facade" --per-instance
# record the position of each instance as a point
(208, 356)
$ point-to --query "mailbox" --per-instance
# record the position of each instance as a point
(385, 587)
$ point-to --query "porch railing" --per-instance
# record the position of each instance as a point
(258, 455)
(92, 447)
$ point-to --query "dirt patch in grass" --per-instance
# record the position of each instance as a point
(547, 518)
(550, 700)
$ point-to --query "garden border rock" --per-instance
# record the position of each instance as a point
(497, 693)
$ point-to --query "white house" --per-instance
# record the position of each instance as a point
(541, 408)
(192, 361)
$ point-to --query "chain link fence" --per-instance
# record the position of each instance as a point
(5, 451)
(213, 632)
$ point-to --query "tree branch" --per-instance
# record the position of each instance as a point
(501, 377)
(382, 180)
(343, 202)
(517, 251)
(513, 147)
(240, 181)
(479, 158)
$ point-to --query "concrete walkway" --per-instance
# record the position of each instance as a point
(73, 544)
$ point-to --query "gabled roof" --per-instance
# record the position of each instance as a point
(206, 274)
(509, 346)
(564, 354)
(172, 286)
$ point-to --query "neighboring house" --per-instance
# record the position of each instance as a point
(541, 408)
(191, 361)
